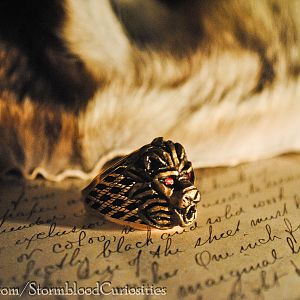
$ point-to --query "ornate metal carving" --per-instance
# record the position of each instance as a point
(153, 186)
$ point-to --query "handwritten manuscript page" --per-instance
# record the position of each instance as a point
(244, 245)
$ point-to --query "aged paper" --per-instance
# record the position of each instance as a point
(244, 245)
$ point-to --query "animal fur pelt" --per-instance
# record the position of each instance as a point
(84, 81)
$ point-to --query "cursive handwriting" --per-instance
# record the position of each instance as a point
(260, 240)
(228, 214)
(279, 213)
(205, 258)
(216, 237)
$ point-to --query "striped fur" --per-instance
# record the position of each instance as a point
(102, 78)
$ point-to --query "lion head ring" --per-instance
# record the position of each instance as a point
(153, 186)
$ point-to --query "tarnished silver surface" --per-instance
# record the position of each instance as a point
(153, 186)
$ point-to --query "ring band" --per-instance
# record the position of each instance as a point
(151, 187)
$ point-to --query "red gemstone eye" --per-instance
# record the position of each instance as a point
(190, 176)
(169, 181)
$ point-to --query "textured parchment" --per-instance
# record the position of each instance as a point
(244, 245)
